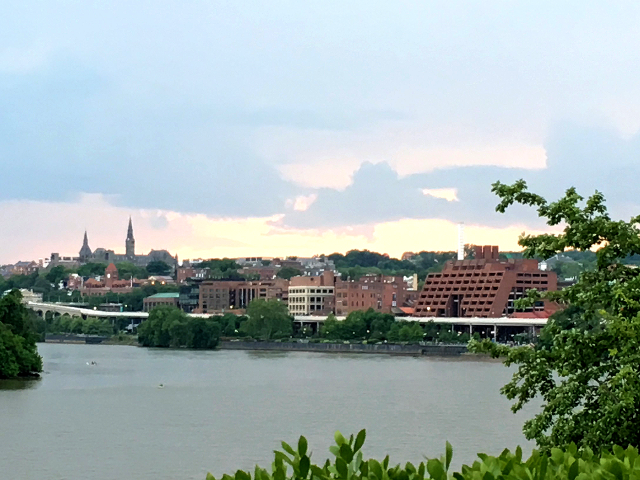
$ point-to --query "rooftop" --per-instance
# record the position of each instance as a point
(165, 295)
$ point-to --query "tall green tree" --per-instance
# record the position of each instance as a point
(268, 319)
(56, 275)
(18, 351)
(586, 366)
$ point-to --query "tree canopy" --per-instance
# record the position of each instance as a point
(268, 319)
(158, 267)
(18, 352)
(288, 272)
(585, 367)
(168, 326)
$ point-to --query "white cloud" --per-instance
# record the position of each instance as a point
(448, 194)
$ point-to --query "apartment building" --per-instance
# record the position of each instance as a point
(312, 295)
(483, 287)
(218, 296)
(379, 292)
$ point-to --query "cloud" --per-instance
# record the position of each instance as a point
(317, 116)
(449, 194)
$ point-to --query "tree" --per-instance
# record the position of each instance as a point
(127, 270)
(288, 273)
(18, 351)
(158, 267)
(585, 368)
(171, 327)
(268, 319)
(92, 269)
(56, 275)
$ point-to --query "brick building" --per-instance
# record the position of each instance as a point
(382, 293)
(218, 296)
(187, 271)
(312, 295)
(109, 283)
(483, 287)
(160, 299)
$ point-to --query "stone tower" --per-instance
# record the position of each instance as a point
(130, 243)
(85, 251)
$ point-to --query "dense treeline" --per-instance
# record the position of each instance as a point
(357, 263)
(171, 327)
(374, 326)
(18, 353)
(77, 325)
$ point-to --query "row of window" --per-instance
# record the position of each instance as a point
(310, 290)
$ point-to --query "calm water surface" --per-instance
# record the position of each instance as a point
(219, 411)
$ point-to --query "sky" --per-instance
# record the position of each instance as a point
(299, 128)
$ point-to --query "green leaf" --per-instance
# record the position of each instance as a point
(305, 463)
(341, 467)
(339, 439)
(449, 456)
(302, 446)
(574, 469)
(317, 471)
(210, 477)
(346, 453)
(362, 435)
(287, 448)
(240, 475)
(375, 468)
(542, 473)
(436, 469)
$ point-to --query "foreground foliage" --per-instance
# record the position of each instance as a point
(18, 353)
(349, 464)
(585, 368)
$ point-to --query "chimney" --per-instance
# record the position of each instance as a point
(495, 252)
(478, 252)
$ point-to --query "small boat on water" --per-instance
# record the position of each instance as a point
(91, 363)
(161, 385)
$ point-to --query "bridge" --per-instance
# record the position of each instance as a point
(489, 326)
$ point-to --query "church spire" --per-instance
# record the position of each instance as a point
(130, 242)
(85, 251)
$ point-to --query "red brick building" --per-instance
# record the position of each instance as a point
(217, 296)
(483, 287)
(382, 293)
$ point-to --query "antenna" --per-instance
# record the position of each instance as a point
(461, 241)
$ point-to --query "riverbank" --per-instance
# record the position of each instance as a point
(300, 346)
(381, 348)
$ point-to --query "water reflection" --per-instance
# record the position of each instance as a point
(19, 384)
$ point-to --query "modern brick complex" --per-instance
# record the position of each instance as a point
(483, 287)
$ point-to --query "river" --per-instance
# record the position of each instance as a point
(223, 410)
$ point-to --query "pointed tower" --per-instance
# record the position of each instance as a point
(85, 251)
(130, 243)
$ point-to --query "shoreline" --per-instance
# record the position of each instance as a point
(418, 350)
